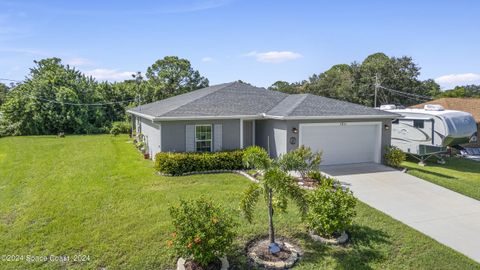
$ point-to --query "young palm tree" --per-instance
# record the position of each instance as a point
(276, 186)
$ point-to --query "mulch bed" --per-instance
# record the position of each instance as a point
(191, 265)
(307, 182)
(263, 253)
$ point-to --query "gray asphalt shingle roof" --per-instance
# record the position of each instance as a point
(241, 99)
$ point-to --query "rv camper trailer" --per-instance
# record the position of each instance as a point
(429, 131)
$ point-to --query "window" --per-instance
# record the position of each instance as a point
(203, 138)
(418, 123)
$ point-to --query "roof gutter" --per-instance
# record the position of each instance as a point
(244, 117)
(263, 116)
(146, 116)
(383, 116)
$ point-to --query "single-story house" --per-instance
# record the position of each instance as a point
(237, 115)
(470, 105)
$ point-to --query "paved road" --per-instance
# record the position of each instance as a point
(446, 216)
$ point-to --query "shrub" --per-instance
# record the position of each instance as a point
(120, 127)
(180, 163)
(302, 160)
(323, 179)
(331, 210)
(394, 156)
(203, 230)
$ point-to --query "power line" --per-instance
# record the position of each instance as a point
(412, 98)
(80, 104)
(405, 93)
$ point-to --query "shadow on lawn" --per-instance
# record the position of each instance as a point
(361, 249)
(452, 163)
(431, 173)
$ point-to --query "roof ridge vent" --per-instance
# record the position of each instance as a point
(433, 107)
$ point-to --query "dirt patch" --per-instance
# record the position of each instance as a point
(263, 253)
(191, 265)
(259, 255)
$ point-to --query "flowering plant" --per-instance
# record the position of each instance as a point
(203, 230)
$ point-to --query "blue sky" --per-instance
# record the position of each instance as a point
(256, 41)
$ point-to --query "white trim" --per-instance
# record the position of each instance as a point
(334, 117)
(146, 116)
(341, 124)
(241, 133)
(245, 117)
(211, 136)
(263, 116)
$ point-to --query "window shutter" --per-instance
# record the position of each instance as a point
(190, 138)
(217, 137)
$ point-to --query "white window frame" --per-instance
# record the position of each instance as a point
(211, 136)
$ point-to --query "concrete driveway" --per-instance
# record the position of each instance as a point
(446, 216)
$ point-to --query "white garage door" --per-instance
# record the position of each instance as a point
(343, 143)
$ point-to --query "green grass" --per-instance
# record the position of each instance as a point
(458, 174)
(96, 196)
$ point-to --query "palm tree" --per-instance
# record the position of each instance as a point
(276, 186)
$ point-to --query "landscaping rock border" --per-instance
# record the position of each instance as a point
(342, 239)
(181, 263)
(289, 263)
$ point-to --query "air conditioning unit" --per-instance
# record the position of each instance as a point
(433, 107)
(388, 107)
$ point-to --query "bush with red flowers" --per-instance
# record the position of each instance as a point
(203, 230)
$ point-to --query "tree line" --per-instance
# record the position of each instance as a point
(58, 98)
(355, 82)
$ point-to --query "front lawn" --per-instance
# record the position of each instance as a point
(96, 196)
(458, 174)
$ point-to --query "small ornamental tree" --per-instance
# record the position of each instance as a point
(203, 230)
(276, 187)
(394, 156)
(302, 160)
(331, 209)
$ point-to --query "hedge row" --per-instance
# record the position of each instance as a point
(181, 163)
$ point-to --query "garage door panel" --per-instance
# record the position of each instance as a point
(342, 144)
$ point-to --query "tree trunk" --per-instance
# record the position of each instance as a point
(270, 217)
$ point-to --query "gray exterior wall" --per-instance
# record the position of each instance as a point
(264, 134)
(173, 134)
(386, 134)
(151, 131)
(247, 133)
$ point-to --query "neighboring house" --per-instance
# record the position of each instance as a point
(237, 115)
(470, 105)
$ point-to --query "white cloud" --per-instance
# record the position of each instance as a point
(207, 59)
(103, 74)
(24, 51)
(274, 56)
(458, 79)
(79, 61)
